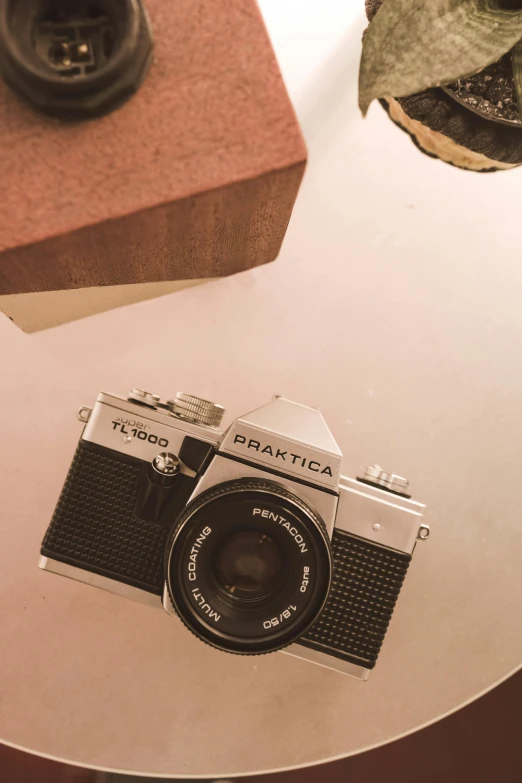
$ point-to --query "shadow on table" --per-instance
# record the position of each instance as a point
(481, 743)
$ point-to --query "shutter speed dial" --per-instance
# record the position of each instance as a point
(194, 409)
(184, 406)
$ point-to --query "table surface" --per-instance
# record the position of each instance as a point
(395, 308)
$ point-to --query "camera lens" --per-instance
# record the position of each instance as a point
(248, 566)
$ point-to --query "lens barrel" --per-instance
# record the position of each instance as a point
(248, 566)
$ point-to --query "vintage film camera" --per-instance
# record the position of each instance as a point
(252, 537)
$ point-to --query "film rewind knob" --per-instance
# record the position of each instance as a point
(144, 397)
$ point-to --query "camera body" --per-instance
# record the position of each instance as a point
(251, 536)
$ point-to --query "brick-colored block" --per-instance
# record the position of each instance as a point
(194, 177)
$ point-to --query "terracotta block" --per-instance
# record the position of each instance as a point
(194, 177)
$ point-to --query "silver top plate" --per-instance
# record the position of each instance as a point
(378, 515)
(139, 431)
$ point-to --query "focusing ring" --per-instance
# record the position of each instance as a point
(308, 543)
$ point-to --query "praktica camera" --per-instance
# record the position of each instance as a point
(250, 536)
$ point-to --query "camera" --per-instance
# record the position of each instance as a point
(250, 536)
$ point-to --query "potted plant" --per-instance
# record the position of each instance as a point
(449, 72)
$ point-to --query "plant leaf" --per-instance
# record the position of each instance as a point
(516, 59)
(412, 45)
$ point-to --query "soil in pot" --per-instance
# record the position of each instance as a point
(473, 123)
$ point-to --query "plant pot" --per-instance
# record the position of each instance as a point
(459, 124)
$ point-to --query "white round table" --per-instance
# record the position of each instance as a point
(395, 307)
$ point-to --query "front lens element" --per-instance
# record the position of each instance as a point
(248, 565)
